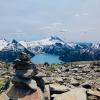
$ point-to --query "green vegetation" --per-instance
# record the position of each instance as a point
(82, 81)
(50, 69)
(2, 86)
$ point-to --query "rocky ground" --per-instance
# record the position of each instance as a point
(72, 81)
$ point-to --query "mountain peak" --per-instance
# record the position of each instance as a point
(56, 38)
(14, 41)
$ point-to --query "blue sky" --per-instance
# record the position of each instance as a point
(73, 20)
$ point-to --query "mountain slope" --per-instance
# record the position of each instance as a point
(38, 46)
(3, 44)
(47, 41)
(67, 51)
(70, 51)
(12, 50)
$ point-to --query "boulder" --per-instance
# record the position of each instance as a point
(56, 88)
(48, 80)
(91, 97)
(79, 77)
(59, 80)
(95, 93)
(47, 92)
(74, 82)
(16, 93)
(74, 94)
(41, 74)
(3, 96)
(86, 85)
(98, 88)
(86, 69)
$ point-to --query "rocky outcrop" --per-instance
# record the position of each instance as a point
(25, 84)
(66, 78)
(71, 81)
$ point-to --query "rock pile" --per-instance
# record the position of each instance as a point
(24, 83)
(69, 81)
(79, 81)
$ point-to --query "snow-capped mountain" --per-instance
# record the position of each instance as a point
(67, 51)
(12, 50)
(48, 41)
(52, 44)
(3, 44)
(39, 45)
(95, 45)
(14, 46)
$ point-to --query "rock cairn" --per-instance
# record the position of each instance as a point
(23, 84)
(24, 71)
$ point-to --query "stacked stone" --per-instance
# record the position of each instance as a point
(24, 71)
(26, 82)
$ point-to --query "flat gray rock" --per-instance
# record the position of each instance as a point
(74, 94)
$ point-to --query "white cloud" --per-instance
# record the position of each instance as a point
(53, 26)
(81, 14)
(65, 30)
(57, 24)
(19, 32)
(16, 33)
(77, 15)
(46, 28)
(85, 14)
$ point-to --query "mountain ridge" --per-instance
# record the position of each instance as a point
(11, 51)
(67, 51)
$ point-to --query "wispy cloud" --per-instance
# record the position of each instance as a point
(85, 14)
(77, 15)
(39, 18)
(57, 24)
(81, 14)
(64, 30)
(53, 26)
(18, 32)
(46, 28)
